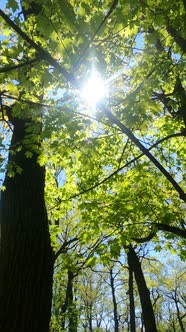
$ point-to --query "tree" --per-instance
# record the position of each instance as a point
(116, 325)
(146, 304)
(131, 298)
(139, 47)
(173, 289)
(26, 255)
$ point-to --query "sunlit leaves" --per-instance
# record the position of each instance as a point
(142, 60)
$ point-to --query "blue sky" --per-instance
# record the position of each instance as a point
(3, 3)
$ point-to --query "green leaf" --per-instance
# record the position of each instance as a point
(12, 4)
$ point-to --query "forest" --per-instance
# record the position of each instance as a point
(92, 165)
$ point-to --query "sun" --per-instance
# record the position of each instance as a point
(94, 90)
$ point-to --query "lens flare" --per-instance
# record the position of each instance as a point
(93, 90)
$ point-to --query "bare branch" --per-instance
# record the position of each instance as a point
(64, 247)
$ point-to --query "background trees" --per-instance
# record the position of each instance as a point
(113, 180)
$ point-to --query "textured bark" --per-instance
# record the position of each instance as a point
(147, 309)
(25, 252)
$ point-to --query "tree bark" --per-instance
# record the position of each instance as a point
(147, 309)
(25, 253)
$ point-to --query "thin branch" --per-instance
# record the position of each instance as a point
(6, 69)
(79, 61)
(26, 101)
(144, 239)
(30, 102)
(134, 140)
(120, 168)
(92, 250)
(64, 247)
(181, 134)
(3, 115)
(69, 77)
(42, 53)
(123, 152)
(59, 36)
(145, 151)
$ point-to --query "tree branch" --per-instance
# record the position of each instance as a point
(69, 77)
(177, 38)
(42, 53)
(119, 169)
(145, 151)
(30, 102)
(171, 229)
(144, 239)
(79, 61)
(64, 247)
(6, 69)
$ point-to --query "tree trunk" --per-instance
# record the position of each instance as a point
(69, 306)
(72, 307)
(178, 313)
(131, 300)
(25, 252)
(116, 325)
(90, 318)
(147, 309)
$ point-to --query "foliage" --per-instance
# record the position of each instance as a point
(101, 192)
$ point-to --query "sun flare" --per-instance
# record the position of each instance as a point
(93, 90)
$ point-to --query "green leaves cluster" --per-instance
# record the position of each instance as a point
(95, 179)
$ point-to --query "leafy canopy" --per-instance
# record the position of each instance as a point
(95, 174)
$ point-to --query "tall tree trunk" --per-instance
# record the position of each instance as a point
(72, 307)
(69, 306)
(26, 257)
(147, 309)
(131, 300)
(178, 313)
(90, 317)
(116, 325)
